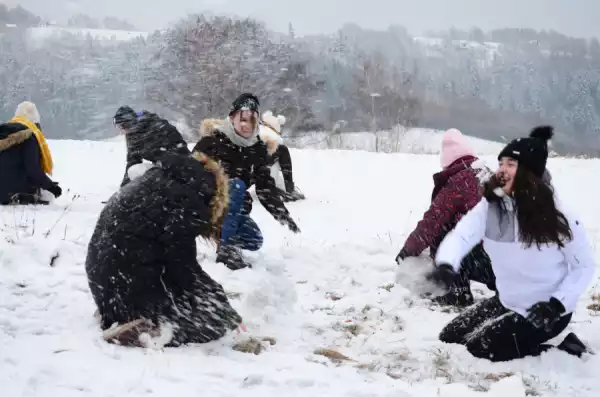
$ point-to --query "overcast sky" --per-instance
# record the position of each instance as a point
(573, 17)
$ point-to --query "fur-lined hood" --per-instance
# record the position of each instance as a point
(10, 138)
(220, 200)
(209, 126)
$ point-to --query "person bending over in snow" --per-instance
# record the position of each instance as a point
(147, 136)
(141, 261)
(235, 143)
(457, 189)
(25, 159)
(281, 160)
(540, 253)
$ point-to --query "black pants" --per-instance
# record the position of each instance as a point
(476, 266)
(282, 154)
(491, 331)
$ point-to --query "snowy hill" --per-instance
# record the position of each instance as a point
(39, 34)
(329, 287)
(487, 51)
(400, 140)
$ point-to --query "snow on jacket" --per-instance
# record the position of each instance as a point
(20, 163)
(251, 164)
(150, 138)
(141, 260)
(456, 190)
(524, 276)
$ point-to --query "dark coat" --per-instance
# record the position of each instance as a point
(141, 260)
(21, 171)
(149, 138)
(456, 191)
(250, 164)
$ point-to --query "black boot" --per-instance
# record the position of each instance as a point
(292, 193)
(573, 345)
(231, 256)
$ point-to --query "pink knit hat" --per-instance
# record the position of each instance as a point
(454, 146)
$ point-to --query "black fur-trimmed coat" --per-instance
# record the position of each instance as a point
(20, 165)
(150, 138)
(141, 260)
(250, 164)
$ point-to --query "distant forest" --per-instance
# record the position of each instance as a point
(495, 85)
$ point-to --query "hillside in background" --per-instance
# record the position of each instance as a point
(494, 85)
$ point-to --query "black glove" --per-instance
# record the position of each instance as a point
(443, 275)
(401, 255)
(545, 314)
(55, 190)
(289, 222)
(492, 189)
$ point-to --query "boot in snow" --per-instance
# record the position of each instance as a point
(129, 334)
(573, 345)
(292, 193)
(231, 257)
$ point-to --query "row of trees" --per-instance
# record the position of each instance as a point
(18, 16)
(360, 79)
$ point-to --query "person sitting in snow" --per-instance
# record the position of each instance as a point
(456, 191)
(236, 144)
(540, 254)
(25, 159)
(147, 136)
(141, 261)
(281, 160)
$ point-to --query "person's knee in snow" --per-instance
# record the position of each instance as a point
(249, 235)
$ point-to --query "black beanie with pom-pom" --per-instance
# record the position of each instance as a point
(531, 152)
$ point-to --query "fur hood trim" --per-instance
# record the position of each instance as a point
(15, 139)
(209, 126)
(220, 201)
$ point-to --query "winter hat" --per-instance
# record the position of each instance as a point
(28, 111)
(531, 152)
(273, 122)
(245, 101)
(125, 117)
(454, 146)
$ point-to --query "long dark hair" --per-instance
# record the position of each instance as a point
(540, 222)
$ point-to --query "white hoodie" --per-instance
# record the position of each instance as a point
(524, 276)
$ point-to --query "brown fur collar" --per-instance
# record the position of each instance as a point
(209, 126)
(15, 139)
(220, 200)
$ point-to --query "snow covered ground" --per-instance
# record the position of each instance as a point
(398, 140)
(45, 32)
(330, 287)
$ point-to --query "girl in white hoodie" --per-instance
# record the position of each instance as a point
(540, 255)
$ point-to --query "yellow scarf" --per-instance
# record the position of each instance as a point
(46, 158)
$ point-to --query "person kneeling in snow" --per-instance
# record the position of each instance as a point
(25, 159)
(540, 253)
(141, 261)
(235, 143)
(457, 189)
(281, 160)
(147, 137)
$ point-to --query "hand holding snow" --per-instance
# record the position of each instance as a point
(137, 170)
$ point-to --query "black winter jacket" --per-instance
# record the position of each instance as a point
(141, 260)
(250, 164)
(150, 138)
(21, 171)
